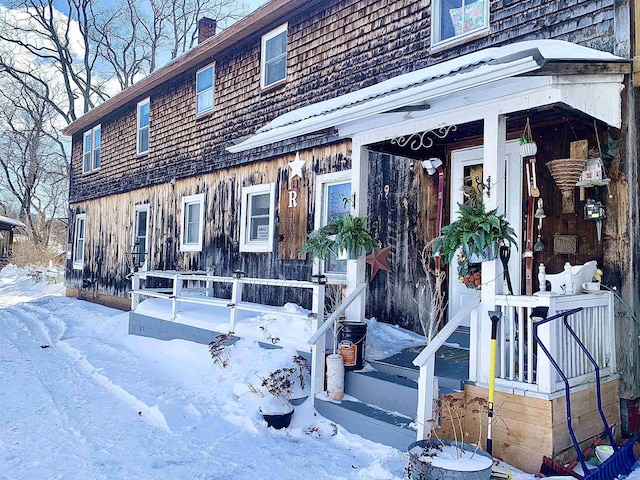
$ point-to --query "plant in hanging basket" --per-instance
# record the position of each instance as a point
(528, 147)
(343, 234)
(475, 231)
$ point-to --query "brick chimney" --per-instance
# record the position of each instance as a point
(206, 28)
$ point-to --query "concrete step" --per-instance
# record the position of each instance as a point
(391, 392)
(372, 423)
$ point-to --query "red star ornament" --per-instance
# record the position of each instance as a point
(378, 261)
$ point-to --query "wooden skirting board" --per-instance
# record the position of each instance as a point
(91, 295)
(526, 428)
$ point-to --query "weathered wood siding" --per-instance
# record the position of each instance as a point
(110, 221)
(333, 48)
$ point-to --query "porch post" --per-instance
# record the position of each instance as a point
(494, 196)
(356, 268)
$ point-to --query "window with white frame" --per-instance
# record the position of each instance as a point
(257, 214)
(457, 18)
(274, 57)
(143, 127)
(205, 82)
(192, 223)
(91, 150)
(79, 236)
(333, 198)
(141, 234)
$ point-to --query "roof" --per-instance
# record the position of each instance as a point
(461, 73)
(262, 18)
(11, 222)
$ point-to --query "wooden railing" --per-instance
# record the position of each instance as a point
(518, 365)
(427, 383)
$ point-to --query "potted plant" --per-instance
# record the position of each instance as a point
(282, 385)
(528, 147)
(449, 459)
(345, 236)
(477, 231)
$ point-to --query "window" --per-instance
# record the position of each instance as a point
(141, 234)
(78, 242)
(333, 197)
(274, 57)
(143, 126)
(257, 213)
(91, 151)
(457, 18)
(192, 220)
(205, 80)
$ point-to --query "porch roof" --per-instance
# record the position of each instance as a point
(415, 89)
(10, 223)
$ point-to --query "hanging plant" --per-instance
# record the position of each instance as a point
(528, 147)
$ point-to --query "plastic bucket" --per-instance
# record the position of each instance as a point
(352, 339)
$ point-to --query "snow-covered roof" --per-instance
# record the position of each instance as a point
(11, 221)
(464, 72)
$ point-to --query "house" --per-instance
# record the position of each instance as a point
(221, 162)
(7, 226)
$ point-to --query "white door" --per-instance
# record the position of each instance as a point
(466, 183)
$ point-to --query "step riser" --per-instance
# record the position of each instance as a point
(367, 427)
(381, 393)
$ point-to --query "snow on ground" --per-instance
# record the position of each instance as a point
(80, 398)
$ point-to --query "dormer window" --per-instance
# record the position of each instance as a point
(205, 81)
(453, 19)
(274, 57)
(91, 150)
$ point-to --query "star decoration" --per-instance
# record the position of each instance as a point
(378, 260)
(609, 147)
(296, 166)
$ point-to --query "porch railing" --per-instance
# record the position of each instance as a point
(520, 368)
(183, 284)
(427, 383)
(318, 340)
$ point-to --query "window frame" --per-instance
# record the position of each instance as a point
(323, 182)
(143, 207)
(90, 155)
(246, 244)
(78, 263)
(186, 201)
(436, 27)
(211, 90)
(263, 55)
(139, 129)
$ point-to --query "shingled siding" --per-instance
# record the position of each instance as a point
(333, 48)
(109, 226)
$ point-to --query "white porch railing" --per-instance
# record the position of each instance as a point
(519, 368)
(318, 340)
(183, 284)
(427, 382)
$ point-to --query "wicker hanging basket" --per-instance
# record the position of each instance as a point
(566, 173)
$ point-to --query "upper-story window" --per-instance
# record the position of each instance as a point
(257, 215)
(457, 18)
(143, 126)
(274, 57)
(91, 150)
(192, 223)
(205, 80)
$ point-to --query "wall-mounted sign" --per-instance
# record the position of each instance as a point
(567, 244)
(292, 212)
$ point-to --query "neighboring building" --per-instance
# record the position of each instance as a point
(353, 95)
(7, 226)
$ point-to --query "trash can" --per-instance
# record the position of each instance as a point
(352, 339)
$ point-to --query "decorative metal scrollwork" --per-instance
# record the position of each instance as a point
(425, 139)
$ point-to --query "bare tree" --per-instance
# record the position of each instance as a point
(33, 160)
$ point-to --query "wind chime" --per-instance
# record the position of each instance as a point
(528, 150)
